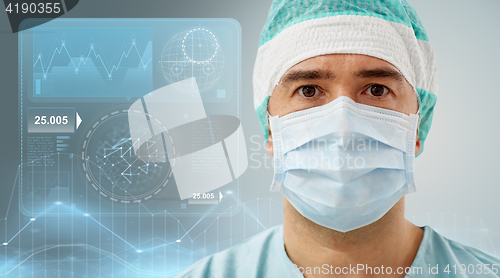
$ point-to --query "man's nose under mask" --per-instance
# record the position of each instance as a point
(344, 165)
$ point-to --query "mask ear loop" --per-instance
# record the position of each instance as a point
(278, 176)
(268, 124)
(418, 110)
(418, 114)
(268, 116)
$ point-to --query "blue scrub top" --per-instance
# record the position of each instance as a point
(263, 255)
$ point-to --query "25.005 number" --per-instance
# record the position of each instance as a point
(203, 196)
(53, 120)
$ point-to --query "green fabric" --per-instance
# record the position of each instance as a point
(262, 117)
(285, 13)
(264, 255)
(416, 24)
(427, 103)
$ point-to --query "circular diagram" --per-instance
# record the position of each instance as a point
(123, 170)
(199, 45)
(194, 53)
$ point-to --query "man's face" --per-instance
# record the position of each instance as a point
(321, 79)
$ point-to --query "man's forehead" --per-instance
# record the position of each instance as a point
(341, 61)
(329, 67)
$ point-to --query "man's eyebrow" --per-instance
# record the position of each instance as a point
(298, 75)
(381, 73)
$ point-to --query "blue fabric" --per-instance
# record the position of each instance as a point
(263, 255)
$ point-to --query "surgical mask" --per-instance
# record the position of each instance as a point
(344, 165)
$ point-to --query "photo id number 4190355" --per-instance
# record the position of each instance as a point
(34, 8)
(470, 269)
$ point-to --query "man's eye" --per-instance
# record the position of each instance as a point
(377, 90)
(308, 91)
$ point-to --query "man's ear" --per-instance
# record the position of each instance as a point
(418, 145)
(269, 146)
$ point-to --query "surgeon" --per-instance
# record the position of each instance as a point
(345, 92)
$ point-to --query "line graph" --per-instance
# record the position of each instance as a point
(84, 60)
(92, 62)
(157, 246)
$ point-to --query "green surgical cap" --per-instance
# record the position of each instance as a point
(390, 30)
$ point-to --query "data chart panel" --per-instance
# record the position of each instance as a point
(92, 62)
(119, 116)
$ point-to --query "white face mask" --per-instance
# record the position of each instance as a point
(343, 165)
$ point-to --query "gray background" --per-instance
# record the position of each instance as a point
(457, 184)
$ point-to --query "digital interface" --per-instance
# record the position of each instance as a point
(99, 134)
(157, 146)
